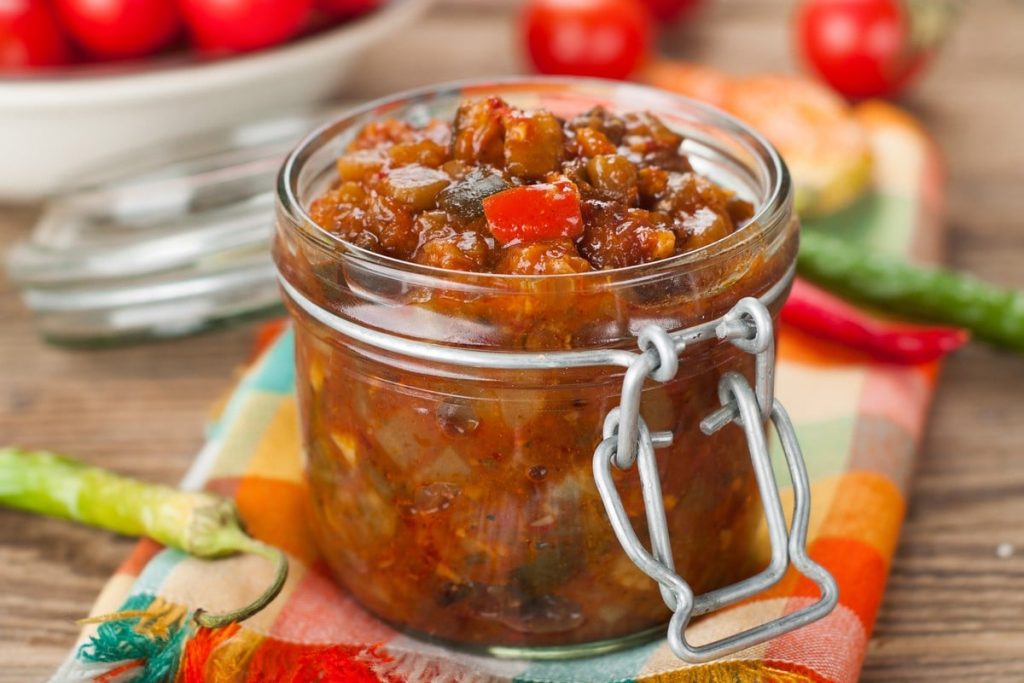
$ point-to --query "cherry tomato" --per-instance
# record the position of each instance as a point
(601, 38)
(118, 29)
(240, 25)
(346, 9)
(30, 36)
(670, 11)
(870, 48)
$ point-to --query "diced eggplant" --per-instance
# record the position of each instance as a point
(423, 152)
(534, 146)
(646, 133)
(479, 132)
(466, 250)
(615, 176)
(360, 164)
(415, 186)
(703, 227)
(549, 257)
(464, 199)
(740, 211)
(618, 238)
(592, 142)
(602, 120)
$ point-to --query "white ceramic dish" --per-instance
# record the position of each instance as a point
(51, 128)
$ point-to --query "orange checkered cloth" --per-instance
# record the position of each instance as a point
(859, 421)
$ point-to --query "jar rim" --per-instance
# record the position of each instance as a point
(774, 209)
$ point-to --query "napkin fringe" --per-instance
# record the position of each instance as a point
(152, 640)
(147, 634)
(742, 671)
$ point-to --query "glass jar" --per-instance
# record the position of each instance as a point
(450, 435)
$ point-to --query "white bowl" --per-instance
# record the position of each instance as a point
(54, 127)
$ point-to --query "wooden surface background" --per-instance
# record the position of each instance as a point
(954, 610)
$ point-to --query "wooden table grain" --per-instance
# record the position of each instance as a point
(954, 609)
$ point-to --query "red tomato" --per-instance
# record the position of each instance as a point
(870, 48)
(535, 212)
(668, 11)
(601, 38)
(346, 9)
(30, 36)
(239, 25)
(118, 29)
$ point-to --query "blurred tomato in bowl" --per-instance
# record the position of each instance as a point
(118, 29)
(61, 111)
(30, 36)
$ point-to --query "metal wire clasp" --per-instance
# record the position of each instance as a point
(627, 440)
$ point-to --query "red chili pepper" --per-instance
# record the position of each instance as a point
(821, 314)
(530, 213)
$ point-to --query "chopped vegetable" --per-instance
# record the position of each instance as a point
(464, 199)
(554, 257)
(626, 191)
(533, 144)
(424, 152)
(478, 135)
(199, 523)
(614, 175)
(616, 238)
(599, 120)
(818, 313)
(930, 294)
(415, 186)
(535, 212)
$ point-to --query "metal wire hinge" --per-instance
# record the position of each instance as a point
(627, 440)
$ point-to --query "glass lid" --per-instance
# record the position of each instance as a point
(161, 243)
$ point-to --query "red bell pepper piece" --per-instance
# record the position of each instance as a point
(821, 314)
(530, 213)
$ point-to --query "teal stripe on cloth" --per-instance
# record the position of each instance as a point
(277, 371)
(274, 372)
(617, 667)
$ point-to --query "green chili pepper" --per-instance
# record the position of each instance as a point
(928, 294)
(199, 523)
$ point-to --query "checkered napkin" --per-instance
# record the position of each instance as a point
(859, 422)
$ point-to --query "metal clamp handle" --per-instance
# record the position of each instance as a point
(627, 440)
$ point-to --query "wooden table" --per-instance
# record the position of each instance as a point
(954, 609)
